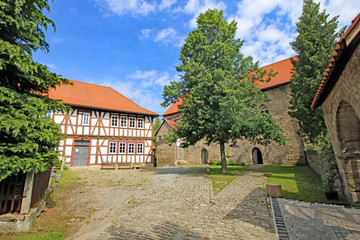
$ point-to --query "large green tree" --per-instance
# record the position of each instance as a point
(314, 46)
(27, 138)
(221, 104)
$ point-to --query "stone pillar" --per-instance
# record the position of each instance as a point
(27, 194)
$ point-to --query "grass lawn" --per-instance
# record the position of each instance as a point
(299, 183)
(221, 180)
(54, 223)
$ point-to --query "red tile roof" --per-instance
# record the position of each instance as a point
(171, 123)
(283, 76)
(96, 96)
(174, 108)
(342, 44)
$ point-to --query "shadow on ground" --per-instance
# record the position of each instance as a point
(254, 209)
(165, 230)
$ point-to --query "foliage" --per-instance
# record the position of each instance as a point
(314, 46)
(27, 139)
(330, 169)
(298, 182)
(221, 103)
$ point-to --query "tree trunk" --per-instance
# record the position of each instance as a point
(223, 158)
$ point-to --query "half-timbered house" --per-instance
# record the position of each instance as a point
(102, 127)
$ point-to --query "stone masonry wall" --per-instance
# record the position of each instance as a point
(346, 92)
(290, 153)
(165, 153)
(314, 161)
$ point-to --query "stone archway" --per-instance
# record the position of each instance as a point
(257, 156)
(204, 156)
(348, 132)
(348, 127)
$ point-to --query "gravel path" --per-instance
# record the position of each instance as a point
(174, 203)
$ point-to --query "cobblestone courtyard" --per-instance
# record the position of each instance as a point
(177, 203)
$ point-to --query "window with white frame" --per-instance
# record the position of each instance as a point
(140, 123)
(131, 148)
(122, 148)
(132, 121)
(140, 148)
(112, 147)
(123, 121)
(114, 120)
(86, 118)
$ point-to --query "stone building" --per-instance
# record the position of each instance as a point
(278, 91)
(339, 97)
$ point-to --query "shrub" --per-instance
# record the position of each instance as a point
(330, 169)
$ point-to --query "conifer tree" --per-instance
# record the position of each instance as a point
(221, 104)
(314, 47)
(27, 138)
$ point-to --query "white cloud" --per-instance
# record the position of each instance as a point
(51, 66)
(165, 36)
(122, 7)
(195, 7)
(152, 78)
(167, 4)
(142, 95)
(346, 9)
(169, 35)
(145, 33)
(135, 7)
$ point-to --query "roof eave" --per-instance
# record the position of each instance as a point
(275, 86)
(333, 74)
(116, 110)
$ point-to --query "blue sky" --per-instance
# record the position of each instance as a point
(133, 46)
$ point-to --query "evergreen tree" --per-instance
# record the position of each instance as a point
(220, 100)
(314, 46)
(27, 138)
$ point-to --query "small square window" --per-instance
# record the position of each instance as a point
(86, 118)
(140, 123)
(114, 120)
(131, 148)
(112, 148)
(122, 148)
(123, 121)
(132, 122)
(140, 148)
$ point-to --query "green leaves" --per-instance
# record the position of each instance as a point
(27, 139)
(220, 100)
(314, 45)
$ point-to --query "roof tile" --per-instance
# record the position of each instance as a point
(96, 96)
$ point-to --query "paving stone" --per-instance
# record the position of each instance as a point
(330, 221)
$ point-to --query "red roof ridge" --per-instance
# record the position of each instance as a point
(172, 124)
(286, 59)
(130, 100)
(341, 45)
(283, 67)
(96, 96)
